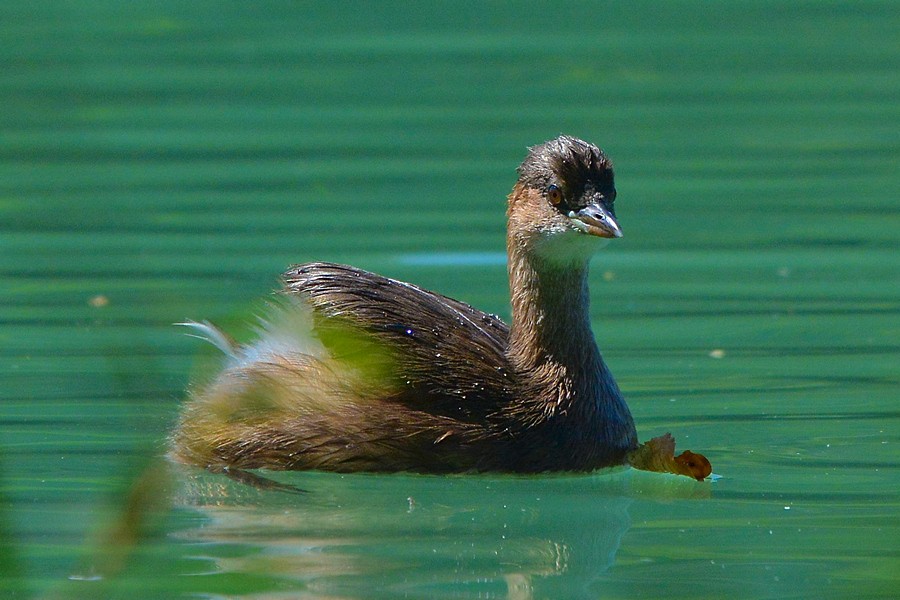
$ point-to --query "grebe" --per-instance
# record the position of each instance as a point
(357, 372)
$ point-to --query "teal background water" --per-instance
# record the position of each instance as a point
(167, 160)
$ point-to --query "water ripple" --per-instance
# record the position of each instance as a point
(453, 259)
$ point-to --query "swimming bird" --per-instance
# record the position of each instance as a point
(352, 371)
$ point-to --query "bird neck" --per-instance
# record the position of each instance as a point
(552, 347)
(564, 387)
(550, 310)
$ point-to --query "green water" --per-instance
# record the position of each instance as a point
(167, 160)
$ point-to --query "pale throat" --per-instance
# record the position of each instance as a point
(551, 316)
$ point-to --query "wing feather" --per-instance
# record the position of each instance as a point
(449, 357)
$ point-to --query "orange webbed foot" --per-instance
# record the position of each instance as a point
(693, 465)
(658, 454)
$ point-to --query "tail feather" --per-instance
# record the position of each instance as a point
(204, 330)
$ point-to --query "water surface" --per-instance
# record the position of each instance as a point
(166, 161)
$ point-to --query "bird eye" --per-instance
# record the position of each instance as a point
(554, 194)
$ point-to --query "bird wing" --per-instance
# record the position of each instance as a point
(447, 357)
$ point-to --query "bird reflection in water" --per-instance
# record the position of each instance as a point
(465, 537)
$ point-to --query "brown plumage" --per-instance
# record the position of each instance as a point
(358, 372)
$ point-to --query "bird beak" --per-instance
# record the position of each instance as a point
(596, 219)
